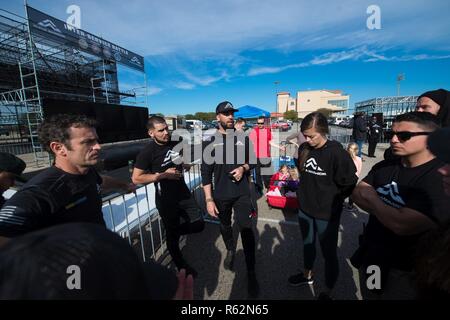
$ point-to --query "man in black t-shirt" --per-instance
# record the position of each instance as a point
(374, 132)
(405, 199)
(228, 157)
(69, 191)
(160, 162)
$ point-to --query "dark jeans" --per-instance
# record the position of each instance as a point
(172, 215)
(262, 180)
(327, 232)
(242, 215)
(372, 147)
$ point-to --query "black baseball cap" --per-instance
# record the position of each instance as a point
(225, 106)
(36, 267)
(10, 163)
(439, 144)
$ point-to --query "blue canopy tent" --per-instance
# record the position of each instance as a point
(250, 112)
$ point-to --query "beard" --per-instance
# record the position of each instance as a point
(226, 125)
(161, 141)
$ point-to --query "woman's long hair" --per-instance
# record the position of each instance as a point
(317, 121)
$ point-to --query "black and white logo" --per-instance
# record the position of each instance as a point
(311, 166)
(48, 24)
(228, 106)
(170, 157)
(239, 143)
(390, 194)
(136, 60)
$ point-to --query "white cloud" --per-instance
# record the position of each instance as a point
(209, 41)
(154, 90)
(213, 28)
(184, 85)
(358, 54)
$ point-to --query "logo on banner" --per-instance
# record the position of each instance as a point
(48, 24)
(117, 56)
(136, 60)
(391, 190)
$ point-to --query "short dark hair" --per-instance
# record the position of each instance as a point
(154, 120)
(240, 120)
(262, 118)
(423, 119)
(56, 128)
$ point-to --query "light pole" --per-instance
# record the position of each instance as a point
(400, 77)
(276, 83)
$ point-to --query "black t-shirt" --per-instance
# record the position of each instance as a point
(418, 188)
(53, 197)
(156, 158)
(222, 154)
(327, 177)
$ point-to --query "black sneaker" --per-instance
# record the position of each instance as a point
(299, 279)
(229, 260)
(253, 286)
(324, 297)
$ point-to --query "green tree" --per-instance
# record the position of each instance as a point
(190, 117)
(291, 115)
(205, 116)
(326, 112)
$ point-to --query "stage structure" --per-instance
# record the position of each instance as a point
(48, 66)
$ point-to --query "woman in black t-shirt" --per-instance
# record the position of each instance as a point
(327, 177)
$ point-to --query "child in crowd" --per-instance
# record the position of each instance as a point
(281, 178)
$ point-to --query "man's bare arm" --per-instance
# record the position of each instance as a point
(403, 221)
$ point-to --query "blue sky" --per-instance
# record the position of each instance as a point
(201, 52)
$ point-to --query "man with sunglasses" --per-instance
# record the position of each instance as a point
(261, 137)
(405, 199)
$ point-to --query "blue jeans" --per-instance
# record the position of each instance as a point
(360, 145)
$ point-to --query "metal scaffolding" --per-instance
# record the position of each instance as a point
(34, 68)
(389, 107)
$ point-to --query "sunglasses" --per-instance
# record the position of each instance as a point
(404, 135)
(260, 123)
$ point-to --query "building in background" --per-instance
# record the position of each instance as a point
(387, 108)
(310, 101)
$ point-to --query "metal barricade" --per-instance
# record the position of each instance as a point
(135, 217)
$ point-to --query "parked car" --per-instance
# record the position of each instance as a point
(280, 125)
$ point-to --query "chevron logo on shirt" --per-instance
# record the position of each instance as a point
(390, 194)
(311, 166)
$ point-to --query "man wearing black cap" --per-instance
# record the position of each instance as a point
(11, 169)
(68, 191)
(228, 157)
